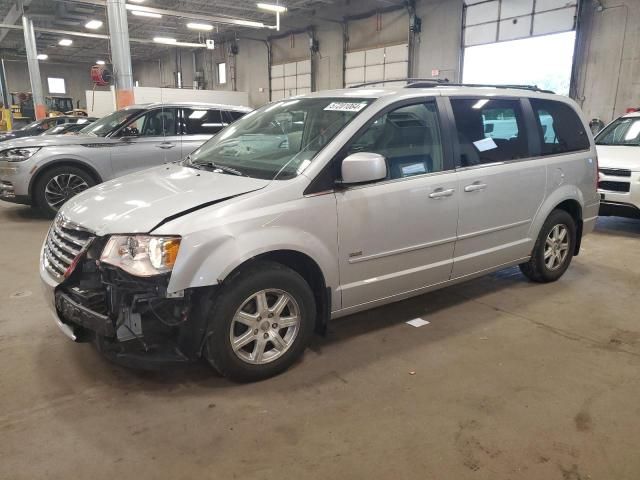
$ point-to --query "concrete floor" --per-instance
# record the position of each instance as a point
(512, 381)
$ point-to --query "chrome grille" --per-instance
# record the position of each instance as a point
(65, 242)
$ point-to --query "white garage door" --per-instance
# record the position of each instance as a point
(377, 64)
(489, 21)
(289, 79)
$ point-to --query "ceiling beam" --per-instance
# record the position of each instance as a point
(238, 22)
(102, 37)
(14, 14)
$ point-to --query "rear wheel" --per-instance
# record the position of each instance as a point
(58, 185)
(261, 322)
(553, 250)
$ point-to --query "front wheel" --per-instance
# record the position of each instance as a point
(553, 250)
(261, 322)
(58, 185)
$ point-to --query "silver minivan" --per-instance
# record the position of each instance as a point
(45, 171)
(316, 207)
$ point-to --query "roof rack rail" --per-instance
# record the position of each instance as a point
(439, 82)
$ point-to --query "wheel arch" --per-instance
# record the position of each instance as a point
(61, 163)
(568, 199)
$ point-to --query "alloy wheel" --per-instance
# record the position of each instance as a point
(265, 326)
(556, 248)
(62, 187)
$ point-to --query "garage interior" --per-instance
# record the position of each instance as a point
(508, 380)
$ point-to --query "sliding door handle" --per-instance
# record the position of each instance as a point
(441, 193)
(475, 187)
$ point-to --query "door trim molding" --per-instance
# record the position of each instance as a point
(398, 251)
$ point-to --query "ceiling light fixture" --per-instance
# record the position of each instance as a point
(143, 13)
(205, 27)
(93, 24)
(136, 1)
(42, 56)
(100, 62)
(166, 40)
(247, 23)
(272, 7)
(65, 42)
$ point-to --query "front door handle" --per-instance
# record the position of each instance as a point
(475, 187)
(441, 193)
(166, 145)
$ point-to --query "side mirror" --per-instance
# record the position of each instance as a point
(363, 167)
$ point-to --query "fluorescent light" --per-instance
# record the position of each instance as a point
(272, 7)
(143, 13)
(100, 62)
(480, 103)
(136, 1)
(164, 40)
(65, 42)
(42, 56)
(93, 24)
(200, 26)
(197, 114)
(247, 23)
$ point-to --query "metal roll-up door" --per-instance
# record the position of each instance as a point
(490, 21)
(289, 79)
(382, 64)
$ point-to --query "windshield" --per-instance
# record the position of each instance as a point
(279, 140)
(113, 121)
(623, 131)
(32, 125)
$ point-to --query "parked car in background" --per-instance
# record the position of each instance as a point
(46, 171)
(40, 126)
(67, 128)
(314, 208)
(618, 147)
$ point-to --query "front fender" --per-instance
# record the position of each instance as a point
(207, 263)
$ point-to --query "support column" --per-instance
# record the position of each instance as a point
(39, 106)
(120, 52)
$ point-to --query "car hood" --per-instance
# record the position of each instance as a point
(619, 156)
(53, 140)
(139, 202)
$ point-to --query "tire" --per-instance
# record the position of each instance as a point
(236, 316)
(66, 181)
(556, 246)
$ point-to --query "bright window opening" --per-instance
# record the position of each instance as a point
(56, 85)
(543, 61)
(222, 73)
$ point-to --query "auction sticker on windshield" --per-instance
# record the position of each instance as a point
(345, 107)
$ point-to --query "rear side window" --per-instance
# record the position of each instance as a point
(489, 130)
(235, 115)
(203, 121)
(560, 127)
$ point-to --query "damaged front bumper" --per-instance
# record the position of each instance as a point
(132, 320)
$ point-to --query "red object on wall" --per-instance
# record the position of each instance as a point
(632, 109)
(100, 75)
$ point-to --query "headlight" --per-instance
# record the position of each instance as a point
(18, 154)
(141, 255)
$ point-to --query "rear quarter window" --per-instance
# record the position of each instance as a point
(560, 127)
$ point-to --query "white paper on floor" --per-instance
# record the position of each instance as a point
(418, 322)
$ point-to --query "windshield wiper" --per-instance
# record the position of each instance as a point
(222, 168)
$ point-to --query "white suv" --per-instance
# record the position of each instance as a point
(618, 147)
(316, 207)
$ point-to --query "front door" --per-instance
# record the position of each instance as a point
(501, 187)
(398, 234)
(149, 140)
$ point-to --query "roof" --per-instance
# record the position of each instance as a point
(234, 108)
(632, 115)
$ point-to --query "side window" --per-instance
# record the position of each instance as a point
(156, 123)
(408, 137)
(203, 121)
(560, 127)
(489, 130)
(235, 115)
